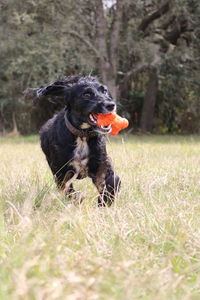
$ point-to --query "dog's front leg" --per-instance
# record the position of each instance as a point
(64, 183)
(108, 185)
(71, 193)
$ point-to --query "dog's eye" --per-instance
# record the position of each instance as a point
(87, 94)
(103, 90)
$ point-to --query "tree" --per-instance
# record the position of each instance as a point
(151, 30)
(147, 52)
(33, 52)
(161, 30)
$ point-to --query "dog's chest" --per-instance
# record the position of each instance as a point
(81, 157)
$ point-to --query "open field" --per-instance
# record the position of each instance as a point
(146, 246)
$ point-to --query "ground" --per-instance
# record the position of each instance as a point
(146, 246)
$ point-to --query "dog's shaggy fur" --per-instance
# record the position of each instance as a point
(72, 156)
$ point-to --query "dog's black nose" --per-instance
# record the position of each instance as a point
(110, 106)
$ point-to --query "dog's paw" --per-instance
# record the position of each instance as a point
(78, 198)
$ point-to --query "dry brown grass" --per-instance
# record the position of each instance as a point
(146, 246)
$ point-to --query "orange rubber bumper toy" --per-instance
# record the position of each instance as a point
(117, 123)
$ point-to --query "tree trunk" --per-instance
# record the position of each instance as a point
(1, 125)
(111, 84)
(108, 77)
(108, 58)
(15, 131)
(146, 123)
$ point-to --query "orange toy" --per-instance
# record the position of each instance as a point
(117, 123)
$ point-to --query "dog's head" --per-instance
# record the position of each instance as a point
(83, 99)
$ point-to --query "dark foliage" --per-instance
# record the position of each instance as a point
(122, 43)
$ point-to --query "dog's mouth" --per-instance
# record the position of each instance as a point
(92, 120)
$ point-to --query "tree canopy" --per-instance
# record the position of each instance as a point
(146, 51)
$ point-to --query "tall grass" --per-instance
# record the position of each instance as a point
(146, 246)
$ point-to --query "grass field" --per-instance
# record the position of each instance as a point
(146, 246)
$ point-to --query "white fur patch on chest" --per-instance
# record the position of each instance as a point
(81, 157)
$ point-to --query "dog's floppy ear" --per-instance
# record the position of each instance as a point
(51, 92)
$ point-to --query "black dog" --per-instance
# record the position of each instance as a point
(73, 143)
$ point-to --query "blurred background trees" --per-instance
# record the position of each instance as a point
(146, 51)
